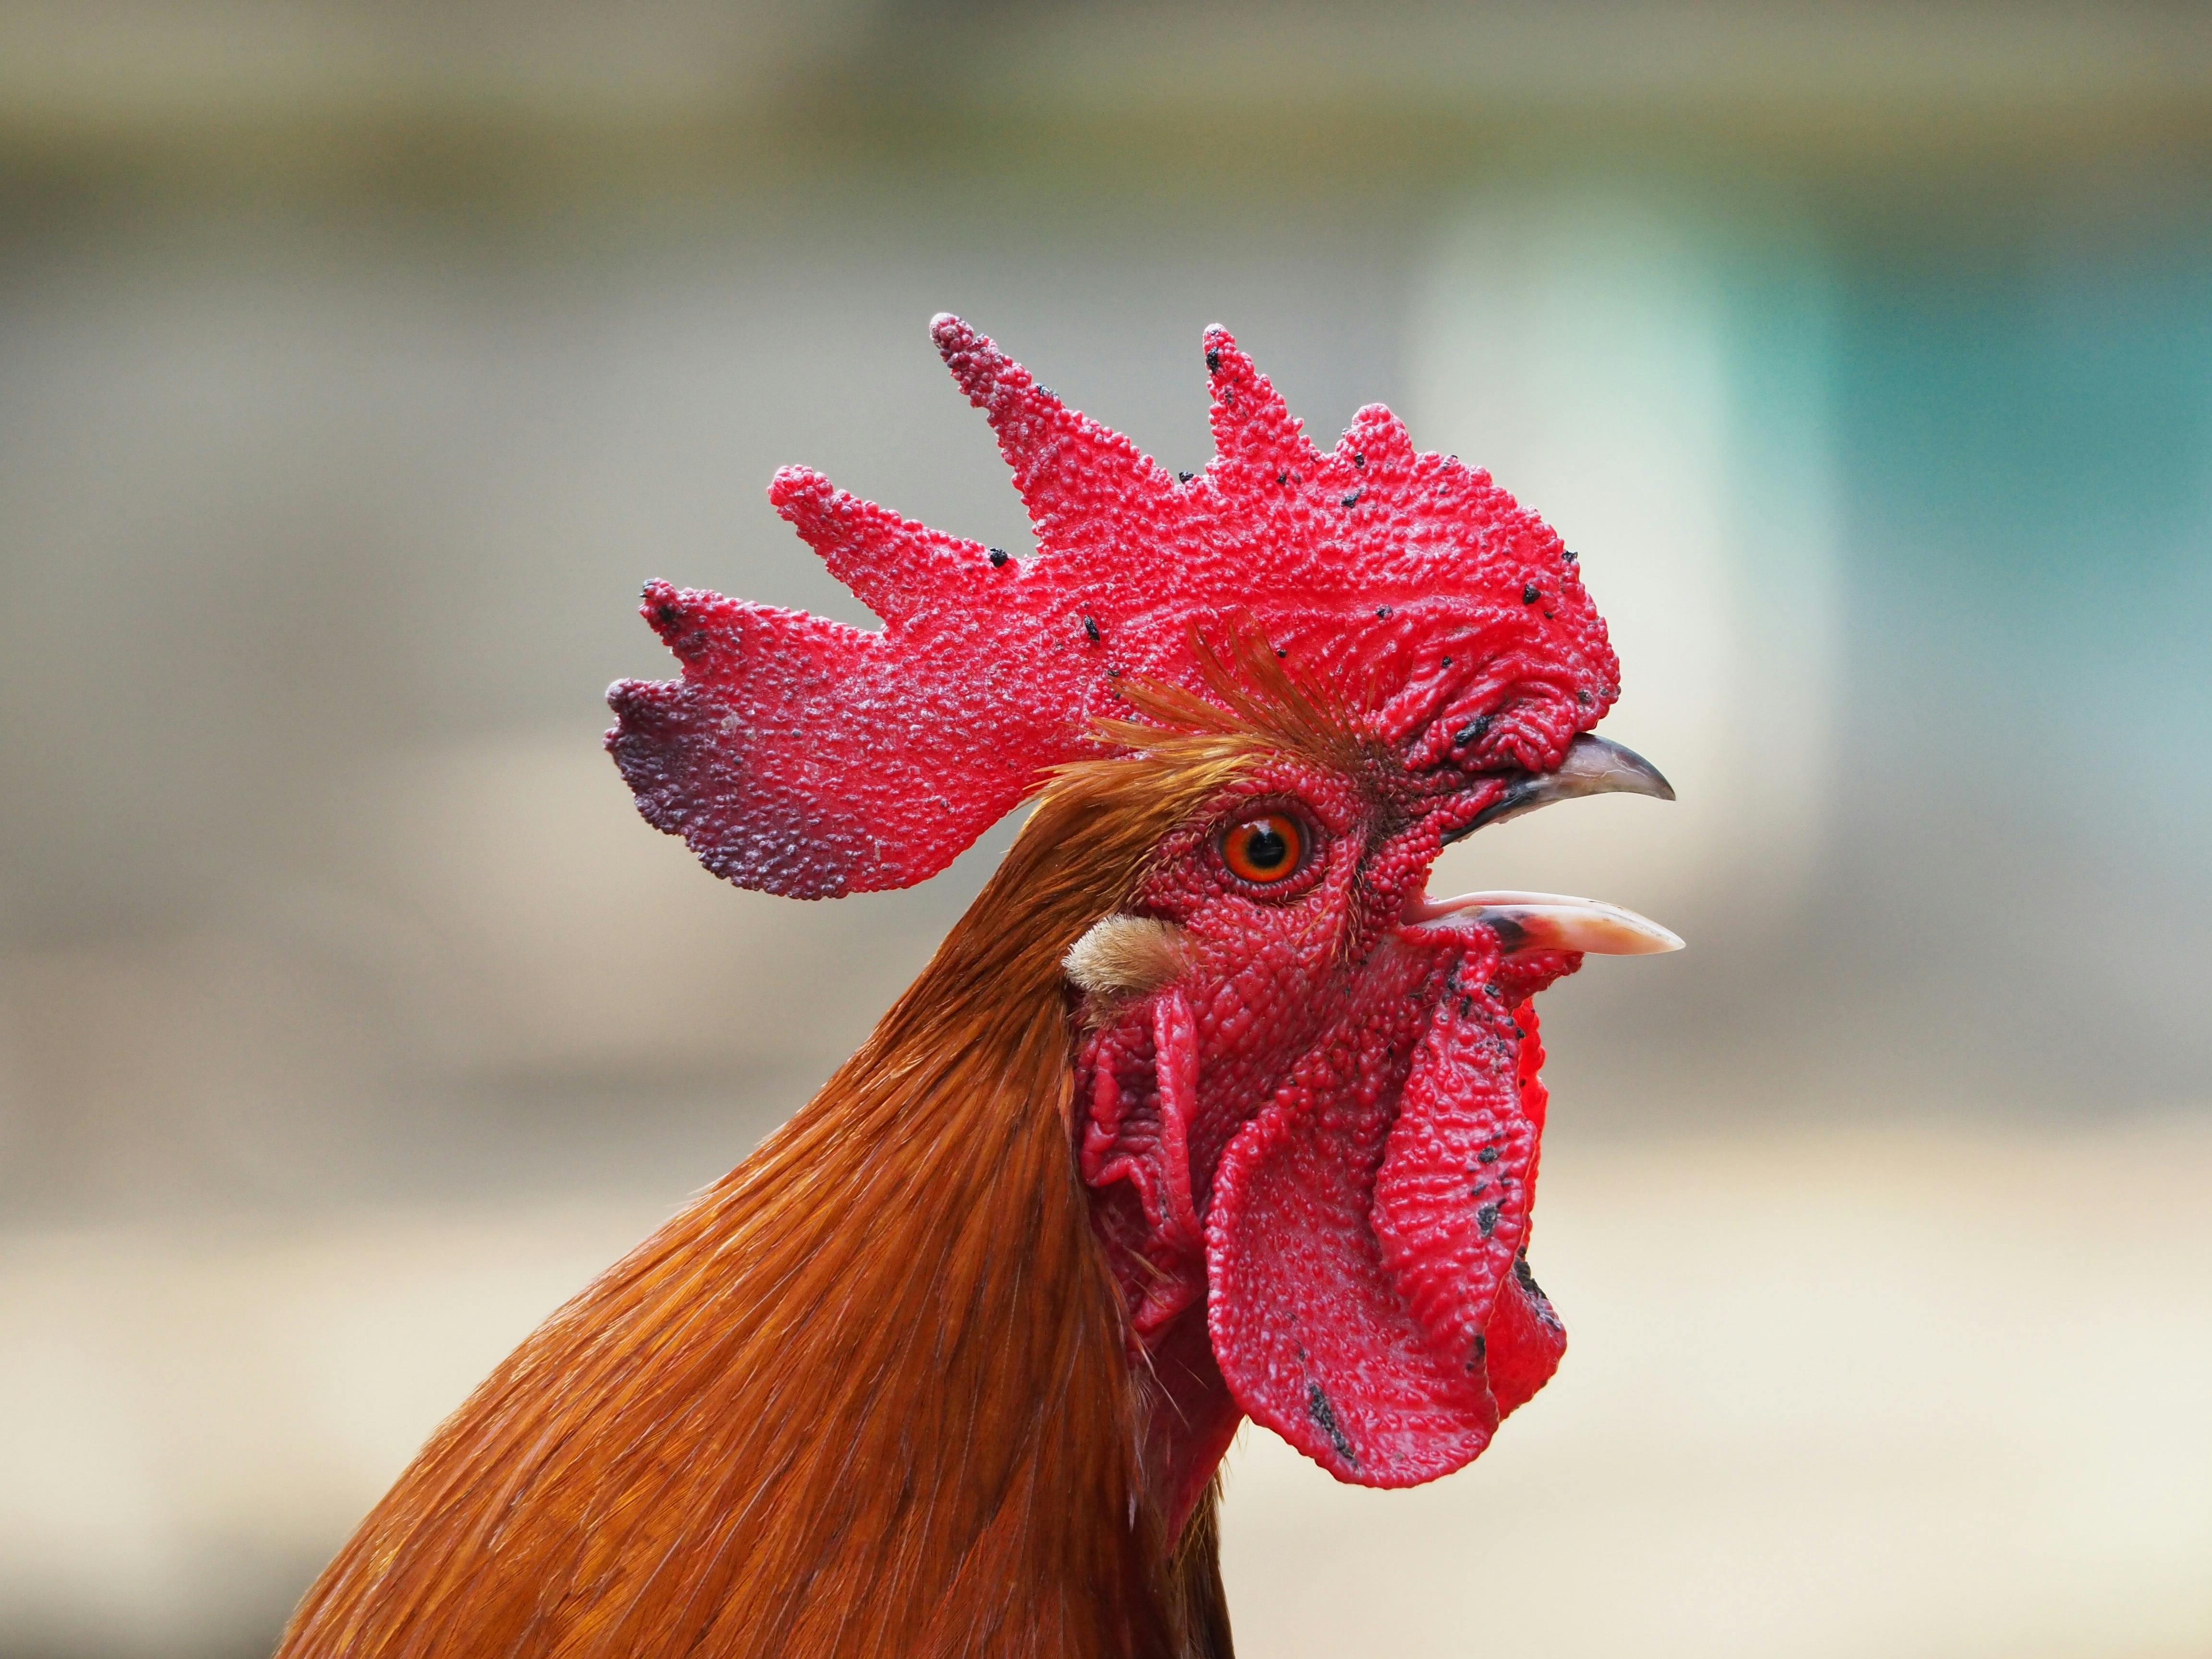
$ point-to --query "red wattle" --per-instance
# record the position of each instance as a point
(1367, 1293)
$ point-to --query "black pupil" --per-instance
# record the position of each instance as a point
(1266, 846)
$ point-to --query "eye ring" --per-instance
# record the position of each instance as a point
(1266, 848)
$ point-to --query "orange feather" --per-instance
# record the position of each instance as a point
(867, 1395)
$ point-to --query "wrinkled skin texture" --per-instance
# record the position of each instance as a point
(801, 756)
(1318, 1145)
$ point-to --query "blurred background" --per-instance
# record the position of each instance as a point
(358, 362)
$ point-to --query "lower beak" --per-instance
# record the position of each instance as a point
(1548, 922)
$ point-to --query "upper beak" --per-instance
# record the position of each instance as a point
(1594, 766)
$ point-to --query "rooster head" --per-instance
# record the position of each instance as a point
(1306, 1095)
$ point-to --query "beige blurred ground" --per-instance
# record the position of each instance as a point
(1905, 1389)
(1915, 1390)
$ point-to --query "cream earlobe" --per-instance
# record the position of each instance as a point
(1125, 955)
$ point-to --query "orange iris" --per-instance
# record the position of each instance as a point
(1264, 849)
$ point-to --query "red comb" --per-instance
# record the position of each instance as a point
(803, 756)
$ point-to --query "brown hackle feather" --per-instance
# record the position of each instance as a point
(870, 1393)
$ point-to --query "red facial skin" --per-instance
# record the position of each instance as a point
(1312, 1155)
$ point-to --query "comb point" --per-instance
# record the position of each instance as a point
(897, 568)
(1252, 426)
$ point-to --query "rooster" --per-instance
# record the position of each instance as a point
(1205, 1109)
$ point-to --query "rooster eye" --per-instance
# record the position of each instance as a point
(1264, 849)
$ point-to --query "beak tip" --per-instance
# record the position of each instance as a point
(1648, 779)
(1648, 939)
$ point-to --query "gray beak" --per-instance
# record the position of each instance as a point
(1594, 766)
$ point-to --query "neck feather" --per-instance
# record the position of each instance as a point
(868, 1394)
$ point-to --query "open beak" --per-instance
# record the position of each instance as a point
(1555, 922)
